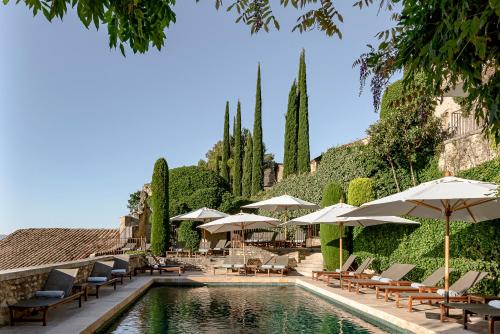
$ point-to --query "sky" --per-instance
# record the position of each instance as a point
(81, 126)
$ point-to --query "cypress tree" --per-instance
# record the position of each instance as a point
(329, 234)
(258, 147)
(237, 165)
(160, 223)
(226, 151)
(303, 158)
(246, 186)
(291, 133)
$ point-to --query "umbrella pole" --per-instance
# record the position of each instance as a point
(244, 255)
(447, 257)
(286, 219)
(341, 230)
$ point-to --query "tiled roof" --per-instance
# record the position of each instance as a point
(37, 246)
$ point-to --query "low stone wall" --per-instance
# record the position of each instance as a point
(19, 284)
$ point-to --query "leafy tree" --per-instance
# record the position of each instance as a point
(303, 155)
(246, 186)
(291, 133)
(329, 234)
(258, 146)
(160, 222)
(226, 150)
(237, 153)
(188, 236)
(361, 190)
(133, 202)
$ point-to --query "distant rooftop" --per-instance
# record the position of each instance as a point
(37, 246)
(2, 236)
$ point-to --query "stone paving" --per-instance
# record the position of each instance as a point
(70, 319)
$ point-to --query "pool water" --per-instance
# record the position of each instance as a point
(232, 309)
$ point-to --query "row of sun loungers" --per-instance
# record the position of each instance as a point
(278, 264)
(390, 283)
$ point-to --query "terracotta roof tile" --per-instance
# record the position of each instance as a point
(37, 246)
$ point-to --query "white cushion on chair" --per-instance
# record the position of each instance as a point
(416, 285)
(376, 278)
(451, 293)
(385, 280)
(494, 303)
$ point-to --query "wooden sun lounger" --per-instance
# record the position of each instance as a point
(280, 265)
(121, 268)
(155, 264)
(396, 272)
(491, 314)
(429, 283)
(462, 285)
(59, 279)
(358, 273)
(345, 267)
(102, 269)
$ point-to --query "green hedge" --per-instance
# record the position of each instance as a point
(188, 236)
(329, 234)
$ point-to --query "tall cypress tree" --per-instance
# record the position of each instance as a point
(303, 158)
(246, 186)
(226, 150)
(258, 147)
(237, 154)
(291, 133)
(160, 223)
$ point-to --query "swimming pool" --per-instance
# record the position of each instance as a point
(236, 309)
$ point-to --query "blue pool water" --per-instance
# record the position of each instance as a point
(232, 309)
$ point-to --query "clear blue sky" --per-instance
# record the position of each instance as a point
(81, 126)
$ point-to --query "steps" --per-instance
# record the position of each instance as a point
(310, 263)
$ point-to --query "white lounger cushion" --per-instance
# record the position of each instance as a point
(385, 280)
(97, 279)
(337, 270)
(416, 285)
(50, 294)
(494, 303)
(451, 293)
(119, 271)
(376, 278)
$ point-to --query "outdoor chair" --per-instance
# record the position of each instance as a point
(457, 291)
(391, 276)
(299, 238)
(154, 263)
(280, 265)
(58, 290)
(101, 276)
(231, 263)
(350, 274)
(490, 312)
(204, 248)
(220, 246)
(345, 267)
(121, 267)
(267, 263)
(429, 283)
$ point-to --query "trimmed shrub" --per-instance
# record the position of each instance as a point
(360, 191)
(329, 234)
(187, 235)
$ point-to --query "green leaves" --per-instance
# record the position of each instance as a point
(136, 23)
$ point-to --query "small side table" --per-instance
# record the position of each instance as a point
(82, 287)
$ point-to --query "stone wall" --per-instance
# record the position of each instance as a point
(19, 284)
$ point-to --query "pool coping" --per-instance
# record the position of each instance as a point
(384, 320)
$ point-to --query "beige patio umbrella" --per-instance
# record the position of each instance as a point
(448, 198)
(282, 203)
(240, 221)
(330, 215)
(203, 215)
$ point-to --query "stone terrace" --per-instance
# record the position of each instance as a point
(69, 318)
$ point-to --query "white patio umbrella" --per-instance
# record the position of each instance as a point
(330, 215)
(449, 198)
(240, 221)
(282, 203)
(204, 215)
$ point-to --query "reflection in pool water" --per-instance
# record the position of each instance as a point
(232, 309)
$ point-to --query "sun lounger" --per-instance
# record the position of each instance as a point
(154, 264)
(121, 267)
(280, 265)
(391, 276)
(345, 267)
(458, 290)
(101, 276)
(220, 246)
(232, 262)
(267, 263)
(299, 239)
(428, 283)
(350, 274)
(488, 311)
(57, 290)
(203, 248)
